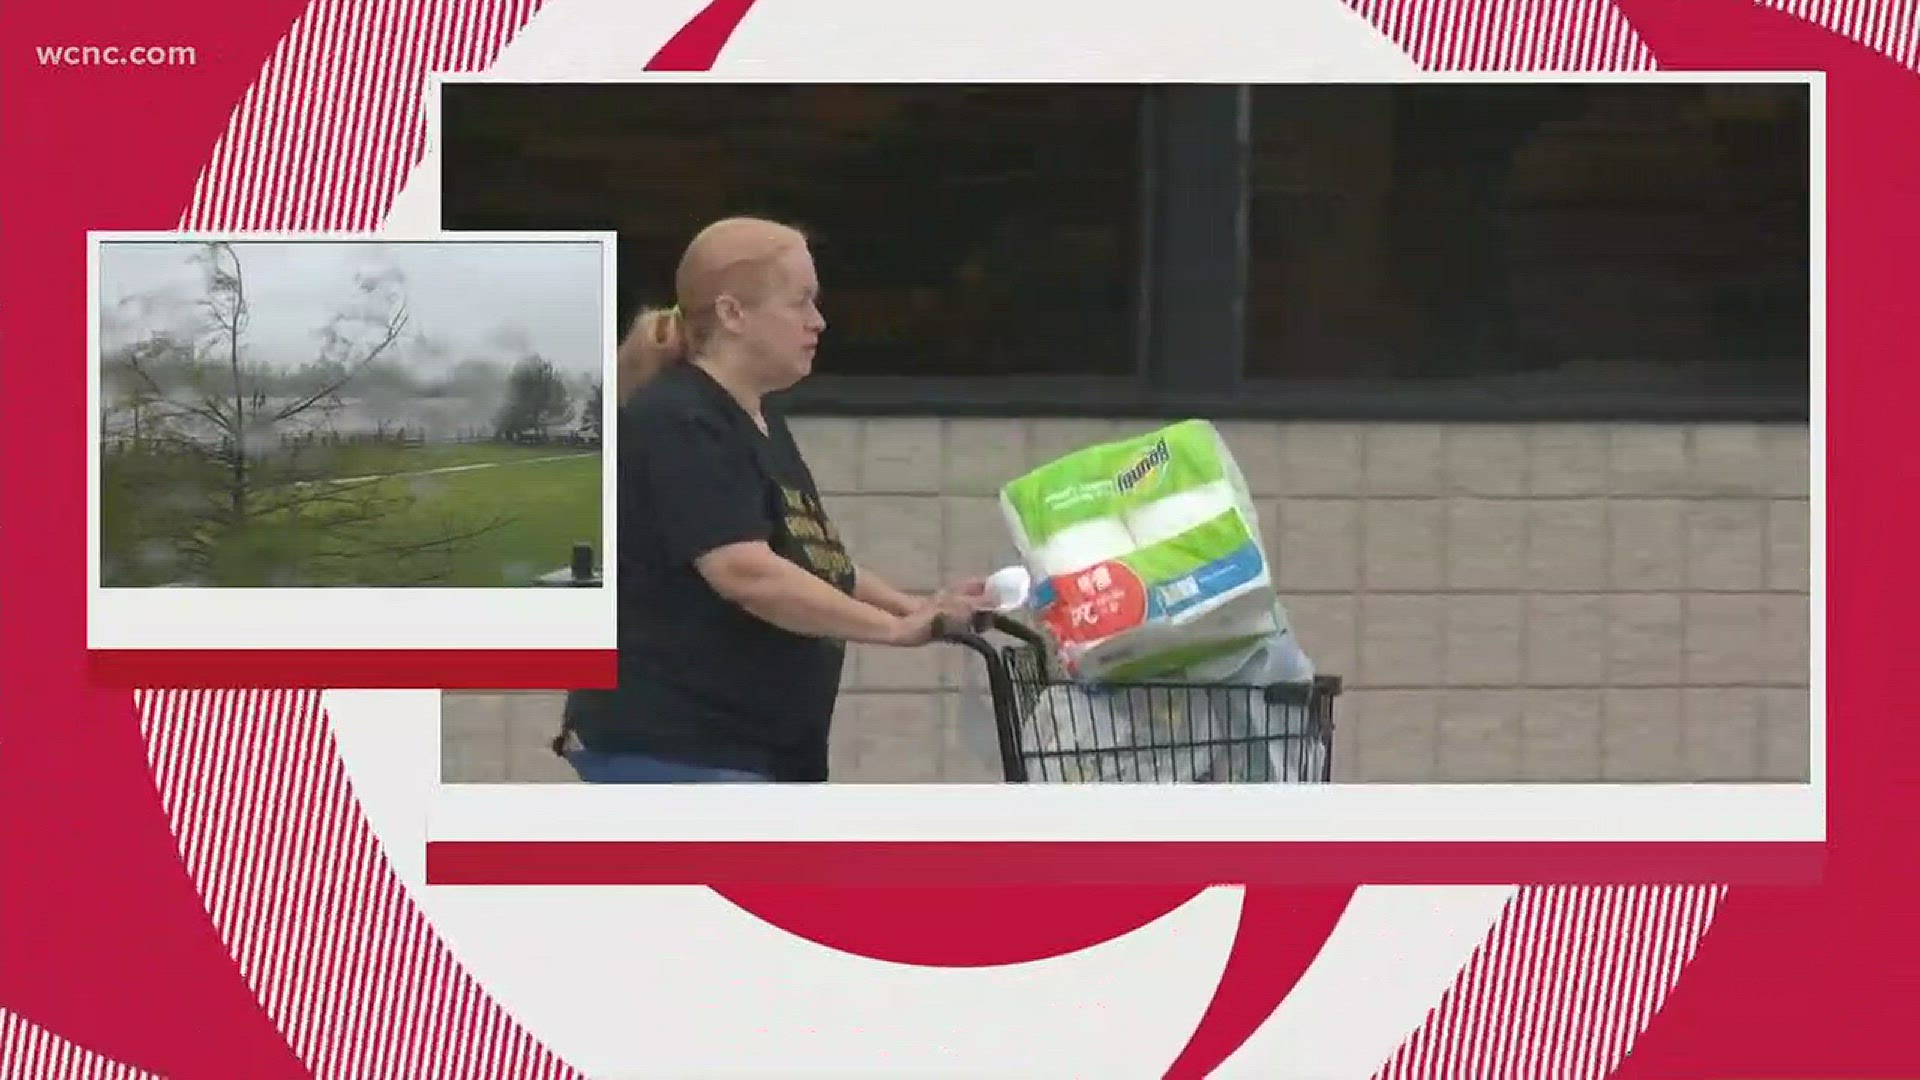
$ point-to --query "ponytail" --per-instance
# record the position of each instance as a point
(656, 341)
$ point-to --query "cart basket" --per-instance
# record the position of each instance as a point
(1052, 729)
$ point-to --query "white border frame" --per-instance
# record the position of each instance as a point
(1376, 813)
(1649, 812)
(337, 618)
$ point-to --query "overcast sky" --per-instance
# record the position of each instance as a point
(472, 299)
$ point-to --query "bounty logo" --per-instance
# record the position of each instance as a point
(1150, 466)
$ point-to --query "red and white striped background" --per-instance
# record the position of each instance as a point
(346, 965)
(31, 1052)
(1563, 984)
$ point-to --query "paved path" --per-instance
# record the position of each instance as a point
(446, 469)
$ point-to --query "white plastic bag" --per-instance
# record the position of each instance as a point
(1294, 753)
(1211, 726)
(1084, 734)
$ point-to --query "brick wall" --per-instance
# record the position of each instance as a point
(1584, 602)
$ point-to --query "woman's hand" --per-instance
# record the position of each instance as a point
(958, 603)
(916, 628)
(963, 598)
(914, 615)
(958, 608)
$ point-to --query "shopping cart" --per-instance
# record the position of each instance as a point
(1052, 730)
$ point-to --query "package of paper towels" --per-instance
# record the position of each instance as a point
(1145, 554)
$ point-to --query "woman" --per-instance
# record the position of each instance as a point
(736, 595)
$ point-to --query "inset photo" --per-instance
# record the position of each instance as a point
(290, 430)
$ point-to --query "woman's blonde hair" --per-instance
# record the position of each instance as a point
(730, 257)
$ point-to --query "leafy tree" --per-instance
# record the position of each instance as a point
(537, 400)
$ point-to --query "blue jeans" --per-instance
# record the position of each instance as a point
(610, 767)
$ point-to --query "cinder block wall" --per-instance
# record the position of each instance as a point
(1577, 602)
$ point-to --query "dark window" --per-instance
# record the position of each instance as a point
(1504, 250)
(1542, 241)
(966, 231)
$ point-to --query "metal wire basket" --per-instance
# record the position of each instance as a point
(1052, 729)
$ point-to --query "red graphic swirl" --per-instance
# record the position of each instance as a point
(960, 927)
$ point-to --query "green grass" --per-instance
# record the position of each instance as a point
(401, 530)
(547, 507)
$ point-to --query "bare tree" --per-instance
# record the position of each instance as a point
(127, 401)
(201, 400)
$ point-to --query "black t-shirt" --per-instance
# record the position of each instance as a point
(701, 679)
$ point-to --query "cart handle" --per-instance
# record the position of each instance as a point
(967, 633)
(959, 631)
